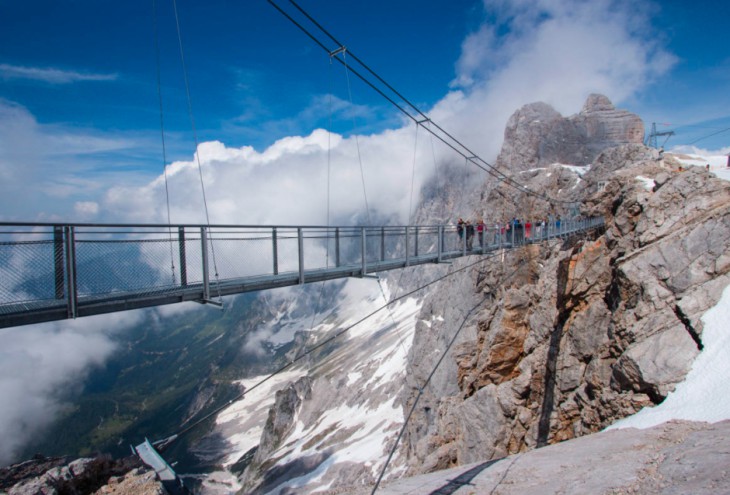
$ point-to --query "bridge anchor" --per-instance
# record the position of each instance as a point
(210, 301)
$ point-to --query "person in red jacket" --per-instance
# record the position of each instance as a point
(480, 232)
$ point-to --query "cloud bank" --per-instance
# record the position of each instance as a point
(43, 367)
(45, 168)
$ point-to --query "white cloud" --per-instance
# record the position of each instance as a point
(51, 75)
(45, 168)
(284, 184)
(694, 150)
(43, 366)
(86, 209)
(556, 51)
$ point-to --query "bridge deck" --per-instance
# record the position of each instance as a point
(52, 272)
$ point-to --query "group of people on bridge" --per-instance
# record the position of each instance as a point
(514, 231)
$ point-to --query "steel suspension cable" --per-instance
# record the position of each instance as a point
(420, 393)
(162, 135)
(413, 177)
(197, 144)
(709, 135)
(421, 118)
(327, 213)
(435, 166)
(357, 139)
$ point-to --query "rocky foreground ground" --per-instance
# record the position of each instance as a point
(99, 475)
(679, 457)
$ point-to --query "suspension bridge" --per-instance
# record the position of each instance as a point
(53, 272)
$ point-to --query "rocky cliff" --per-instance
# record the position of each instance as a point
(568, 337)
(577, 334)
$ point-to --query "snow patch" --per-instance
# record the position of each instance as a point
(353, 377)
(647, 182)
(703, 395)
(247, 416)
(580, 170)
(692, 156)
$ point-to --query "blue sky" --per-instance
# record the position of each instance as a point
(253, 75)
(79, 111)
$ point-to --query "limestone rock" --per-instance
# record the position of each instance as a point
(581, 333)
(678, 457)
(537, 135)
(98, 475)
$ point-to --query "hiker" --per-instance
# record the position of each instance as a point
(480, 232)
(519, 231)
(469, 234)
(528, 230)
(460, 231)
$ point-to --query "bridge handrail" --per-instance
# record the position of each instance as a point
(52, 270)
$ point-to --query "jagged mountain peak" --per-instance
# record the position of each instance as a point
(537, 135)
(597, 103)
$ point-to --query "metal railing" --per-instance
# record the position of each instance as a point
(58, 271)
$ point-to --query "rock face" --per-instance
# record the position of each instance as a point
(676, 457)
(536, 135)
(279, 424)
(578, 334)
(99, 476)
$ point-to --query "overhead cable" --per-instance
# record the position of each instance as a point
(415, 114)
(158, 65)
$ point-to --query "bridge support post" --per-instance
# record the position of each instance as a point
(58, 260)
(337, 246)
(382, 244)
(416, 243)
(408, 246)
(72, 296)
(363, 242)
(275, 247)
(183, 261)
(204, 253)
(300, 242)
(440, 242)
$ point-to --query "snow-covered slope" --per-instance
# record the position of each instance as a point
(356, 415)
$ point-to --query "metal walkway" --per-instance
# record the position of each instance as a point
(58, 271)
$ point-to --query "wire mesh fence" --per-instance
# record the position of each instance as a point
(46, 266)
